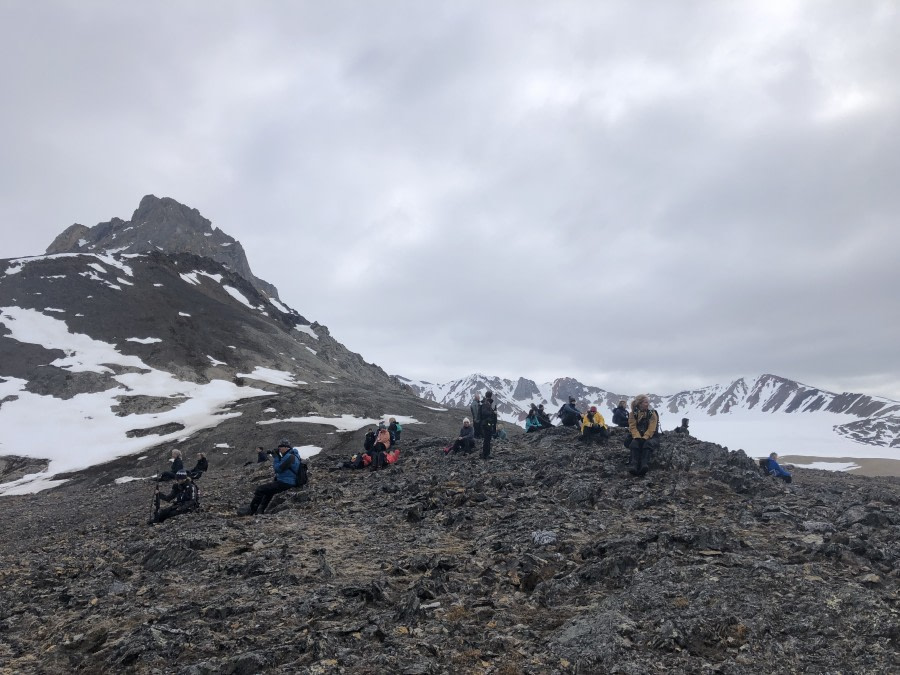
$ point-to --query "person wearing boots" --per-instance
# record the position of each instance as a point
(288, 470)
(643, 423)
(488, 423)
(593, 426)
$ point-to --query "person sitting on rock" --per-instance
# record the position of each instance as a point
(200, 467)
(569, 415)
(383, 440)
(532, 423)
(643, 423)
(394, 428)
(184, 494)
(177, 465)
(500, 434)
(465, 442)
(620, 415)
(290, 471)
(369, 442)
(775, 469)
(593, 426)
(544, 418)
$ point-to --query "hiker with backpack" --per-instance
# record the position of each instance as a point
(620, 415)
(775, 469)
(475, 411)
(290, 471)
(184, 494)
(465, 442)
(643, 423)
(569, 415)
(593, 427)
(488, 423)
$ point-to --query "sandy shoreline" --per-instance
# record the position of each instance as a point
(865, 467)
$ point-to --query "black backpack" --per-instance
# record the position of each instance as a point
(300, 468)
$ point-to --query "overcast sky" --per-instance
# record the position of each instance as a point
(643, 195)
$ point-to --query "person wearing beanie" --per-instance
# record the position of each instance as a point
(290, 471)
(184, 495)
(569, 414)
(593, 426)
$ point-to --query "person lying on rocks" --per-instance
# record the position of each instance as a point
(200, 467)
(290, 471)
(465, 442)
(544, 417)
(775, 469)
(184, 494)
(569, 415)
(358, 461)
(177, 465)
(643, 423)
(383, 459)
(620, 415)
(593, 426)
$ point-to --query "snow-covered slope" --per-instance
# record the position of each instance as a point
(759, 414)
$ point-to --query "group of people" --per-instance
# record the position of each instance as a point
(379, 447)
(482, 426)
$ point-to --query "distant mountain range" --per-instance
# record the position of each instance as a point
(859, 418)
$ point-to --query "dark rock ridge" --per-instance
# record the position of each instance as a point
(878, 423)
(161, 225)
(550, 558)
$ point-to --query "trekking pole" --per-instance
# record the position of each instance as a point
(154, 506)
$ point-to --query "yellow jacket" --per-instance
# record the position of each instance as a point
(639, 418)
(586, 420)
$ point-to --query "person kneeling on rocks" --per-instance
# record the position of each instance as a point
(643, 423)
(290, 471)
(184, 494)
(775, 469)
(593, 426)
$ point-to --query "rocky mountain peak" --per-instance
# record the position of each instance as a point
(161, 224)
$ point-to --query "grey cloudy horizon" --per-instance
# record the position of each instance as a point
(645, 196)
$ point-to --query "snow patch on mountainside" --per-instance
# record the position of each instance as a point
(84, 430)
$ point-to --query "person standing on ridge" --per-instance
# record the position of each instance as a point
(488, 423)
(475, 410)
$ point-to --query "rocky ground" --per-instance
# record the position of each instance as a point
(549, 558)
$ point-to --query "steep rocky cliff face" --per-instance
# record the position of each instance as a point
(161, 225)
(549, 558)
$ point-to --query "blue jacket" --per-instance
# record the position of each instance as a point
(287, 467)
(775, 468)
(532, 421)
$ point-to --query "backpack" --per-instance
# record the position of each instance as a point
(301, 469)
